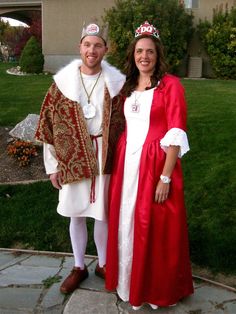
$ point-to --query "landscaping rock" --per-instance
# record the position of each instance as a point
(25, 130)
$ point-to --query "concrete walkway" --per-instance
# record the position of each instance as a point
(30, 281)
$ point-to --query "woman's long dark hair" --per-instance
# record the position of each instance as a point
(132, 72)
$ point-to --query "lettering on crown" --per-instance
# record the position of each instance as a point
(146, 29)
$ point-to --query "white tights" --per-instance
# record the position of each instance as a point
(79, 238)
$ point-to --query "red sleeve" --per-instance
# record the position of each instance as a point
(175, 103)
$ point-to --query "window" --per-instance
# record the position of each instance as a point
(195, 4)
(191, 4)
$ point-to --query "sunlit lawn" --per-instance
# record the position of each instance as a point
(20, 95)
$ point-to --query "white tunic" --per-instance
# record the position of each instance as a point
(74, 198)
(137, 129)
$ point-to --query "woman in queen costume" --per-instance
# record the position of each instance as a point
(148, 251)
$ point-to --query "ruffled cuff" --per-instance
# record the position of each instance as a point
(175, 137)
(49, 156)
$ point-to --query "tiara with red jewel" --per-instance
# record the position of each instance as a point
(147, 29)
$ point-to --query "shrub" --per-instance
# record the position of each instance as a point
(22, 151)
(32, 60)
(170, 18)
(219, 39)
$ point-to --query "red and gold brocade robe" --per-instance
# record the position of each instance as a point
(62, 124)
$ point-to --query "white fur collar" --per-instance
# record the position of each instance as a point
(67, 79)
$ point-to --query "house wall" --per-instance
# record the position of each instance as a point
(62, 26)
(203, 9)
(198, 64)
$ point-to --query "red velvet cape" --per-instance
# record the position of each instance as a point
(161, 271)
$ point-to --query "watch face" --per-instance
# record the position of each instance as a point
(165, 179)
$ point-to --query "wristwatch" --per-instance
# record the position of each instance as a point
(165, 179)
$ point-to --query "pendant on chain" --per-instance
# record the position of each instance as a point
(135, 107)
(89, 111)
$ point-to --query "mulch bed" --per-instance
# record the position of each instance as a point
(11, 172)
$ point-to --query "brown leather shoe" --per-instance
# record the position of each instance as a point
(73, 281)
(100, 271)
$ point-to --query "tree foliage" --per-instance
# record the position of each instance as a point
(35, 29)
(32, 60)
(13, 38)
(16, 37)
(219, 39)
(170, 18)
(3, 26)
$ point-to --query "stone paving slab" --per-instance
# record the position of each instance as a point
(22, 299)
(41, 260)
(210, 298)
(5, 311)
(21, 283)
(53, 297)
(9, 259)
(85, 302)
(5, 258)
(68, 261)
(25, 275)
(93, 282)
(22, 290)
(207, 299)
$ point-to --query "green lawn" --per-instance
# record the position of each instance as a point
(28, 215)
(20, 95)
(210, 172)
(29, 219)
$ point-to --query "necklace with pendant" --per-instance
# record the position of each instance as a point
(89, 109)
(135, 107)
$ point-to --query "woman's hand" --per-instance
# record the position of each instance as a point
(162, 191)
(55, 180)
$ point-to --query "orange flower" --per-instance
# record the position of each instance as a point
(23, 151)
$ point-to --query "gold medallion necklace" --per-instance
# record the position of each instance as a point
(89, 109)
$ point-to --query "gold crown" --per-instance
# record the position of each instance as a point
(147, 29)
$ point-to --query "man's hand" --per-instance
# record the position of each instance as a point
(55, 180)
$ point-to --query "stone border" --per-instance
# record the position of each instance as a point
(16, 71)
(215, 283)
(35, 252)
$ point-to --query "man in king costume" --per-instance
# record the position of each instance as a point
(74, 128)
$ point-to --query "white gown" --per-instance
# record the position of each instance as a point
(137, 129)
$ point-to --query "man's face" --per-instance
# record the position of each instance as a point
(92, 51)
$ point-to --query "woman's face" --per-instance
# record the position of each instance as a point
(145, 56)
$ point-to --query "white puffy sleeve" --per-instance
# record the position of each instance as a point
(176, 137)
(49, 156)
